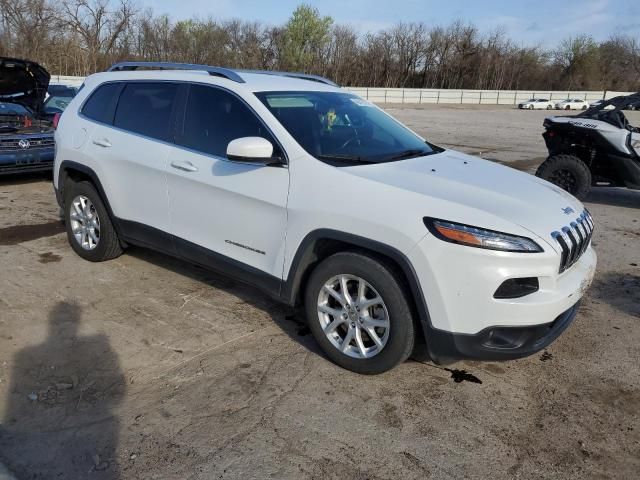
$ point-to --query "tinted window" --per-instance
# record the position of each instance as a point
(214, 117)
(145, 108)
(101, 103)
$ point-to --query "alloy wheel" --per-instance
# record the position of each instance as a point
(353, 316)
(85, 223)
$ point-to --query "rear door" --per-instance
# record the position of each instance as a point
(221, 210)
(132, 155)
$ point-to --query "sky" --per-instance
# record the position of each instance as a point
(529, 22)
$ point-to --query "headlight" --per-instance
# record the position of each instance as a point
(480, 237)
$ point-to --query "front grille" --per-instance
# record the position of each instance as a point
(574, 239)
(13, 143)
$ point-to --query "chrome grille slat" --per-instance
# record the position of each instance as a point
(574, 239)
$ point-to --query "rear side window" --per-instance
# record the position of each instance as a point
(145, 108)
(101, 103)
(214, 117)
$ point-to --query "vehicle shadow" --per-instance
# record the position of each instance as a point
(615, 197)
(25, 178)
(59, 421)
(290, 320)
(620, 290)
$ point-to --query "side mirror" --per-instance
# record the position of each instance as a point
(252, 150)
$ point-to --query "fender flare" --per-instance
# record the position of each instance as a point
(306, 255)
(66, 165)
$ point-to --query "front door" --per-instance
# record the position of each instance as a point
(220, 210)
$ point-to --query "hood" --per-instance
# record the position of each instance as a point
(23, 82)
(466, 189)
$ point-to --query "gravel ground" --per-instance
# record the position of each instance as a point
(145, 367)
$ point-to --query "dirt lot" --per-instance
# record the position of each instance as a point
(144, 367)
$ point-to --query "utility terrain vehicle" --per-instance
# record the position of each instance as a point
(597, 147)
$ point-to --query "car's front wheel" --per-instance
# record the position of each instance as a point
(89, 229)
(358, 312)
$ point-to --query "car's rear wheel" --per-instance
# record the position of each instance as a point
(359, 314)
(549, 107)
(568, 172)
(89, 229)
(584, 107)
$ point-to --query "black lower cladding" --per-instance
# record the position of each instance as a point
(142, 235)
(497, 343)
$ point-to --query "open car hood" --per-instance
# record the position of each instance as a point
(23, 82)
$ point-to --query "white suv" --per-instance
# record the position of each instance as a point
(285, 181)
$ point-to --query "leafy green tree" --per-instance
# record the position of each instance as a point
(305, 38)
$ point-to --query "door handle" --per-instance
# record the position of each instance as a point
(103, 142)
(184, 165)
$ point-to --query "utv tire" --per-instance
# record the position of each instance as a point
(90, 231)
(326, 304)
(568, 172)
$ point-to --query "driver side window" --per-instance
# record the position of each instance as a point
(214, 117)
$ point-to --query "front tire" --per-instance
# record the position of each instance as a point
(359, 314)
(568, 172)
(90, 231)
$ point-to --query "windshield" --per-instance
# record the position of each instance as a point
(341, 128)
(56, 104)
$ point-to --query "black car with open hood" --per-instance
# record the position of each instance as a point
(26, 133)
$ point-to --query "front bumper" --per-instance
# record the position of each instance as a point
(497, 343)
(464, 320)
(30, 160)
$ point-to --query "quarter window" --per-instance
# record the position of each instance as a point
(101, 103)
(145, 108)
(214, 117)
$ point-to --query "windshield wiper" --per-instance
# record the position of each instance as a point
(346, 158)
(414, 152)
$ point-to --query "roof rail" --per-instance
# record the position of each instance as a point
(215, 71)
(301, 76)
(228, 73)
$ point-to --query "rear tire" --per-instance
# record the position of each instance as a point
(90, 231)
(567, 172)
(549, 107)
(388, 315)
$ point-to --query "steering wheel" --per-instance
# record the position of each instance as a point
(350, 141)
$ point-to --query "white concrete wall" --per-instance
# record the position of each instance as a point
(428, 95)
(485, 97)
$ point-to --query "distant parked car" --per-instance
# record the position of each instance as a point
(572, 104)
(58, 97)
(26, 134)
(536, 104)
